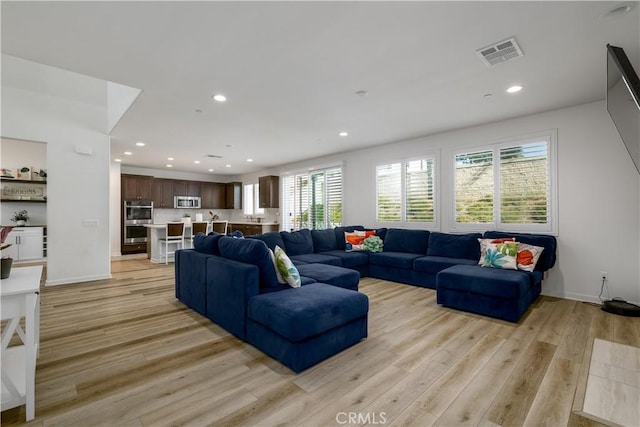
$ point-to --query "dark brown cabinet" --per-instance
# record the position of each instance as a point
(213, 195)
(252, 229)
(137, 187)
(162, 193)
(269, 191)
(186, 188)
(233, 195)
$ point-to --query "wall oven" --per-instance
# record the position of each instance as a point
(136, 214)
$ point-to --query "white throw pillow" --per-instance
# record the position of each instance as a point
(286, 268)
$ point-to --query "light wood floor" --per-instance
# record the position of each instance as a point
(125, 352)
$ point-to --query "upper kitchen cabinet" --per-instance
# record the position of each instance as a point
(233, 195)
(137, 187)
(213, 195)
(187, 188)
(269, 191)
(162, 193)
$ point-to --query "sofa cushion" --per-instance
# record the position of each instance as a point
(435, 264)
(286, 269)
(410, 241)
(349, 259)
(324, 240)
(393, 259)
(316, 259)
(332, 275)
(272, 239)
(301, 313)
(297, 242)
(455, 245)
(281, 287)
(339, 232)
(207, 244)
(473, 279)
(548, 257)
(250, 251)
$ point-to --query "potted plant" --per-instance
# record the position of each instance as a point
(5, 262)
(20, 218)
(186, 218)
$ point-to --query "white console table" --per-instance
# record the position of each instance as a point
(19, 295)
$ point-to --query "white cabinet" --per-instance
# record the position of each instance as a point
(26, 243)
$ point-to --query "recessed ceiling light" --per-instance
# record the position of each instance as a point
(140, 144)
(128, 153)
(514, 89)
(249, 160)
(117, 160)
(219, 97)
(210, 170)
(343, 133)
(197, 162)
(169, 166)
(227, 166)
(170, 158)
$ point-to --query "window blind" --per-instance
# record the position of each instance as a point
(419, 197)
(474, 187)
(389, 192)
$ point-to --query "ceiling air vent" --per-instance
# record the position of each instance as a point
(500, 52)
(213, 156)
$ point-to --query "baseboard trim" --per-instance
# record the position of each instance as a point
(71, 280)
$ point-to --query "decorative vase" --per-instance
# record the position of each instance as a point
(5, 267)
(21, 223)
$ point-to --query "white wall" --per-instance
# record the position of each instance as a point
(598, 192)
(77, 184)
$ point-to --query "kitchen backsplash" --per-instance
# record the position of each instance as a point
(161, 216)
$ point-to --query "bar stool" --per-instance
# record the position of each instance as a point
(198, 227)
(220, 226)
(175, 236)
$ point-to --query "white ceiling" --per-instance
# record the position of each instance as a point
(290, 70)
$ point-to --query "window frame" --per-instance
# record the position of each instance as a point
(402, 222)
(291, 223)
(255, 203)
(551, 226)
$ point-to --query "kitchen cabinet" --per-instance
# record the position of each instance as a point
(137, 187)
(213, 195)
(162, 193)
(233, 195)
(252, 229)
(26, 243)
(186, 188)
(269, 196)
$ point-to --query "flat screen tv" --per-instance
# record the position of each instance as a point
(623, 100)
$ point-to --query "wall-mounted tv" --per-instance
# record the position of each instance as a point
(623, 100)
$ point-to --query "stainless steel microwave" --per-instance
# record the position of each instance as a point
(187, 202)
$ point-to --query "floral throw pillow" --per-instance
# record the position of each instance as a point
(485, 242)
(275, 265)
(355, 241)
(287, 270)
(528, 256)
(500, 255)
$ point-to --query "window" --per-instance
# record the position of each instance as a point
(312, 200)
(251, 200)
(507, 186)
(405, 191)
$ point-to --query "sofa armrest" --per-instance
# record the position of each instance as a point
(191, 274)
(230, 285)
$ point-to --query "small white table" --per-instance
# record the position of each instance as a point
(20, 297)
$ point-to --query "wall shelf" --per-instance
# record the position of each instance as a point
(22, 181)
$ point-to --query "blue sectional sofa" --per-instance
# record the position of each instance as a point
(229, 281)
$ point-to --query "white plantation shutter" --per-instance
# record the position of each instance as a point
(312, 200)
(508, 185)
(474, 187)
(287, 208)
(524, 184)
(334, 197)
(389, 192)
(419, 197)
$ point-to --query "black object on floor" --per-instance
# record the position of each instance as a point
(621, 307)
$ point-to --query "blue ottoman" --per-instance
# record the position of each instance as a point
(503, 294)
(336, 276)
(300, 327)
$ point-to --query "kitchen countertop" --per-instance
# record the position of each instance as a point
(253, 223)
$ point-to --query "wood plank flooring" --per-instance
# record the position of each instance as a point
(125, 352)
